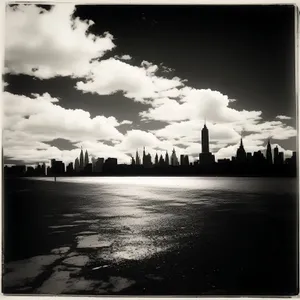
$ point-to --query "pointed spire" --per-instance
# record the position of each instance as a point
(241, 143)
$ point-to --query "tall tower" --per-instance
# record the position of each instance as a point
(205, 139)
(93, 163)
(174, 159)
(241, 155)
(161, 160)
(269, 153)
(167, 160)
(77, 165)
(276, 155)
(81, 163)
(132, 161)
(156, 159)
(137, 158)
(86, 158)
(144, 157)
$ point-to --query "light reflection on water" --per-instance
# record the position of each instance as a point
(122, 184)
(140, 216)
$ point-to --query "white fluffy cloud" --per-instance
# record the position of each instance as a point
(123, 57)
(198, 105)
(52, 43)
(46, 44)
(281, 117)
(136, 82)
(30, 120)
(126, 122)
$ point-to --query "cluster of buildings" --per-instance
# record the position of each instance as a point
(146, 160)
(83, 165)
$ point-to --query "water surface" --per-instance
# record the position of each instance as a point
(149, 235)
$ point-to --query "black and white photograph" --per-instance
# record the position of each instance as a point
(150, 150)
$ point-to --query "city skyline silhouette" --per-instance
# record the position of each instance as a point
(128, 90)
(150, 150)
(206, 164)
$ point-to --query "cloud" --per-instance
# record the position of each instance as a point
(197, 105)
(47, 44)
(41, 117)
(190, 131)
(123, 57)
(136, 82)
(126, 122)
(283, 117)
(51, 43)
(135, 139)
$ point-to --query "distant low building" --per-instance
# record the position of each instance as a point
(57, 167)
(99, 165)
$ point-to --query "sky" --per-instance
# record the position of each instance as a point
(114, 79)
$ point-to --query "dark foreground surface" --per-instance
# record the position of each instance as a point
(151, 236)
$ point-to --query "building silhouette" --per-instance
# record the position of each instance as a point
(184, 160)
(167, 159)
(86, 158)
(93, 163)
(269, 153)
(88, 169)
(161, 161)
(70, 168)
(146, 159)
(81, 161)
(156, 159)
(110, 165)
(276, 156)
(99, 165)
(137, 158)
(281, 158)
(174, 159)
(241, 156)
(205, 157)
(57, 167)
(77, 165)
(132, 161)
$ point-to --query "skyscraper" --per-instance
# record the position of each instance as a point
(281, 158)
(147, 162)
(81, 162)
(132, 161)
(77, 165)
(205, 139)
(93, 163)
(86, 158)
(156, 159)
(99, 165)
(205, 157)
(137, 158)
(70, 168)
(276, 156)
(269, 153)
(241, 155)
(181, 159)
(174, 159)
(161, 160)
(167, 160)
